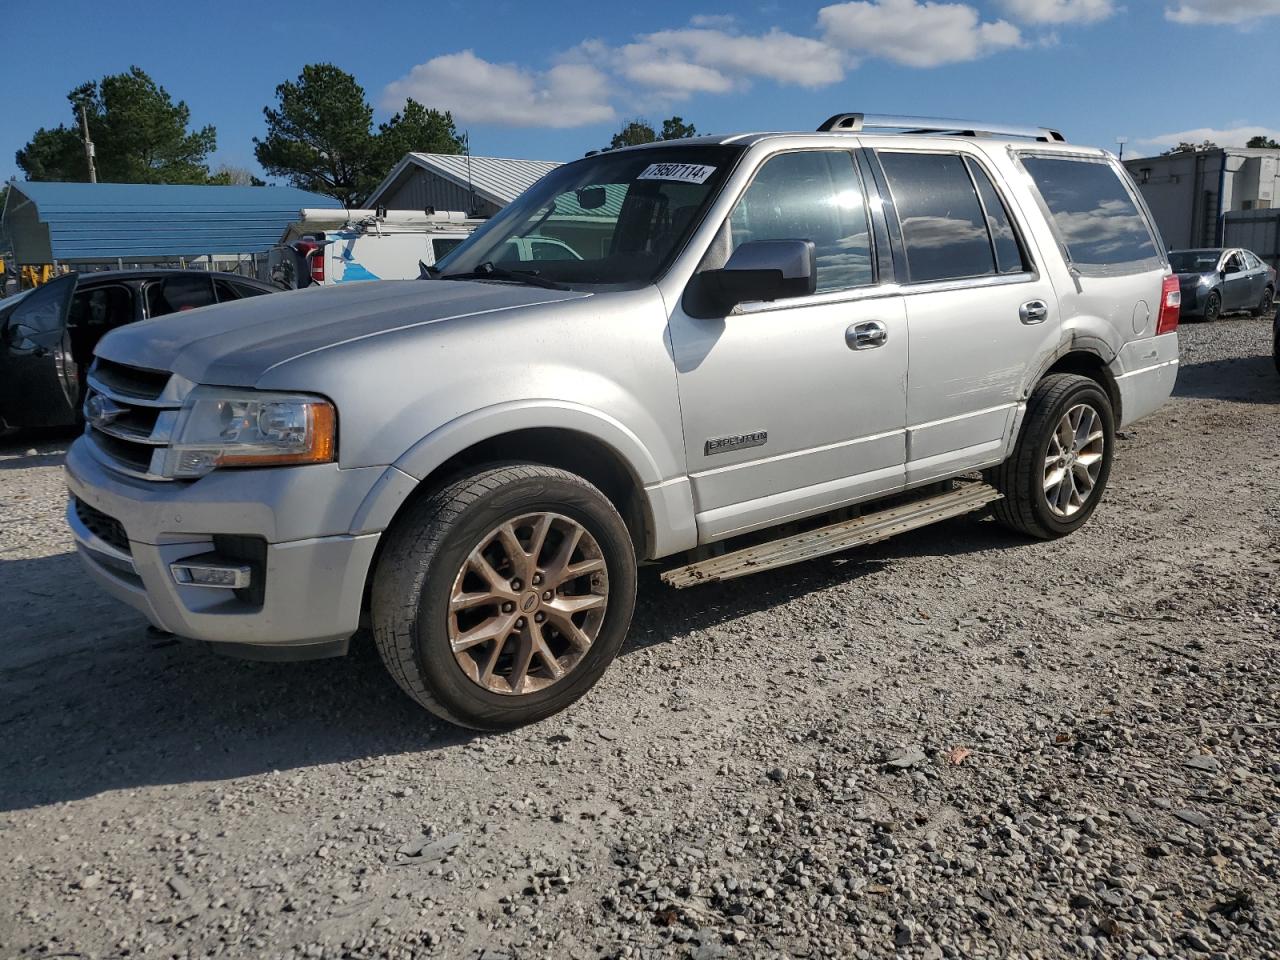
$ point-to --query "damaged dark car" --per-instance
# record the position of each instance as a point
(47, 334)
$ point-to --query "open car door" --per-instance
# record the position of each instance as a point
(39, 384)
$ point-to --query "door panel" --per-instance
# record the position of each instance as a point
(38, 384)
(832, 416)
(979, 316)
(1237, 288)
(782, 415)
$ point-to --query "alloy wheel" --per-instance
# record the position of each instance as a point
(528, 603)
(1073, 460)
(1212, 307)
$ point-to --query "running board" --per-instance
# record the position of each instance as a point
(868, 528)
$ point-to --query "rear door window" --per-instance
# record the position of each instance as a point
(1095, 215)
(944, 228)
(177, 293)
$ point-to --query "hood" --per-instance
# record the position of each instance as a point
(234, 344)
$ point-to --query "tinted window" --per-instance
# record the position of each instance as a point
(245, 290)
(443, 245)
(943, 228)
(815, 196)
(179, 293)
(1009, 258)
(1235, 263)
(225, 291)
(1093, 211)
(102, 308)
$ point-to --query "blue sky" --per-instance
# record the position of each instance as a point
(552, 80)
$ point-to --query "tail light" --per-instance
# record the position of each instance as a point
(1170, 306)
(313, 255)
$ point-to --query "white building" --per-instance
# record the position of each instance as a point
(1190, 193)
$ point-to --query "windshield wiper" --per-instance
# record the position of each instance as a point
(487, 271)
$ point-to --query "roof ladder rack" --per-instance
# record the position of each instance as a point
(858, 122)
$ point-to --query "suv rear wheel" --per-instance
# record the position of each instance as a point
(502, 597)
(1059, 469)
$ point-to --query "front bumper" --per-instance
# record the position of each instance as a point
(314, 585)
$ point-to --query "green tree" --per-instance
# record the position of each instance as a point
(674, 128)
(319, 134)
(1263, 143)
(633, 132)
(139, 133)
(639, 131)
(54, 154)
(229, 176)
(1186, 146)
(416, 129)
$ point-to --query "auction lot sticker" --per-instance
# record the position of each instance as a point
(680, 172)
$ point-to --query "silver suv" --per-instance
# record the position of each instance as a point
(740, 352)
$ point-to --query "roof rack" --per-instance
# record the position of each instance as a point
(857, 122)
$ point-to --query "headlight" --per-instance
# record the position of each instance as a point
(1206, 281)
(226, 428)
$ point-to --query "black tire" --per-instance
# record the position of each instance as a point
(1021, 478)
(1212, 306)
(1267, 307)
(1275, 350)
(423, 553)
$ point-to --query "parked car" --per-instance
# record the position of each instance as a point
(48, 333)
(1217, 280)
(781, 326)
(325, 247)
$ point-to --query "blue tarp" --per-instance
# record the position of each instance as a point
(140, 221)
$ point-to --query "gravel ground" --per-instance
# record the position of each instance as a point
(956, 743)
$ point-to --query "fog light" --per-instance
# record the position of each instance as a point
(225, 576)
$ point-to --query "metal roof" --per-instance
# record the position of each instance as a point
(142, 221)
(496, 179)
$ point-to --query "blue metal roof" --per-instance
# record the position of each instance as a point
(105, 221)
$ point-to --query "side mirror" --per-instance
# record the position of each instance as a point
(759, 270)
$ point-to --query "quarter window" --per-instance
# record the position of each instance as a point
(812, 195)
(944, 229)
(1095, 215)
(1004, 241)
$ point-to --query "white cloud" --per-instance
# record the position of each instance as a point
(677, 63)
(1059, 11)
(478, 91)
(1221, 11)
(1229, 137)
(718, 21)
(916, 34)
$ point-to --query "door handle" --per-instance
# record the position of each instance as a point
(865, 336)
(1033, 311)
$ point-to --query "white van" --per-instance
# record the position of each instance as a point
(342, 246)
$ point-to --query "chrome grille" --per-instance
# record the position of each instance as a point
(130, 413)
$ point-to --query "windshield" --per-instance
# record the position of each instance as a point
(1194, 261)
(615, 218)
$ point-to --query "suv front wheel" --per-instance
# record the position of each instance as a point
(501, 598)
(1059, 469)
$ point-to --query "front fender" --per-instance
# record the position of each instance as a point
(669, 501)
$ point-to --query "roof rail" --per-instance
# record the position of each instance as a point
(857, 122)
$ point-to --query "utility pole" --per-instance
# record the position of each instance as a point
(88, 144)
(1122, 141)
